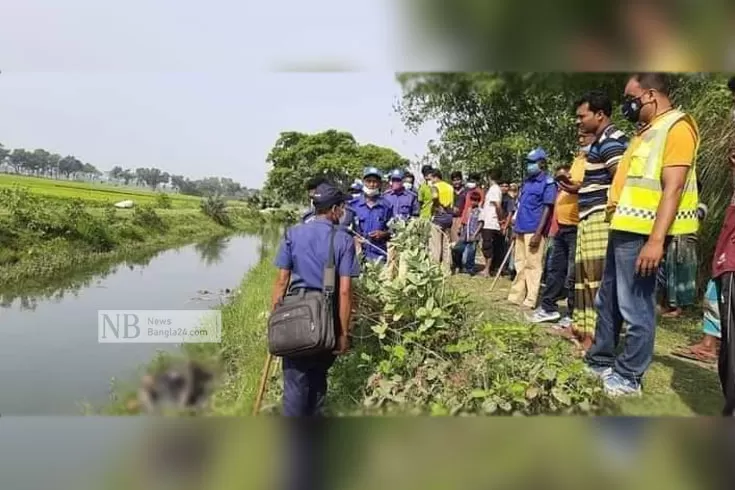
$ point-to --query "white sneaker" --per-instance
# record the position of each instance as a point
(541, 316)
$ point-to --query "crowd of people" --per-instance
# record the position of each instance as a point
(612, 234)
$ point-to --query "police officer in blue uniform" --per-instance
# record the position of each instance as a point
(301, 259)
(405, 203)
(372, 215)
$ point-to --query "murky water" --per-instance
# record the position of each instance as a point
(50, 360)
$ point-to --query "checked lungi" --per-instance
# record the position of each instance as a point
(592, 235)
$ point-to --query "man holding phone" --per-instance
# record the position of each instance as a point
(560, 273)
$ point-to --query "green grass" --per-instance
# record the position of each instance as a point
(91, 193)
(671, 387)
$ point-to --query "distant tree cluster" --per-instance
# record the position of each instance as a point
(41, 163)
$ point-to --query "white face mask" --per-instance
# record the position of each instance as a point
(371, 192)
(471, 185)
(407, 186)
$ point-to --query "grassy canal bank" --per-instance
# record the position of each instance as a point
(43, 240)
(425, 345)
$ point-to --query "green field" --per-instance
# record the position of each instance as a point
(92, 193)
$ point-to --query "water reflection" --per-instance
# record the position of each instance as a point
(212, 251)
(28, 295)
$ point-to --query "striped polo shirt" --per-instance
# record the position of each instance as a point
(603, 157)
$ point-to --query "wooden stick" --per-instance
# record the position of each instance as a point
(502, 266)
(263, 383)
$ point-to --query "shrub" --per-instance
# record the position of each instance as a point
(95, 233)
(110, 214)
(163, 200)
(146, 217)
(216, 208)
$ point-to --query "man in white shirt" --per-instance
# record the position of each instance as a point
(492, 215)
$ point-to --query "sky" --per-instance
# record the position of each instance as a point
(197, 88)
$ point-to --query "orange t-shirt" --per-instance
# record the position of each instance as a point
(567, 205)
(680, 149)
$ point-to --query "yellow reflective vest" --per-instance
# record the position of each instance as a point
(641, 194)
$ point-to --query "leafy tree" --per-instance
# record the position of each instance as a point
(3, 153)
(19, 159)
(177, 181)
(70, 165)
(335, 155)
(151, 177)
(127, 175)
(116, 172)
(90, 169)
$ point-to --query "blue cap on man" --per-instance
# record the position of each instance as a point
(356, 185)
(396, 174)
(536, 155)
(372, 172)
(327, 195)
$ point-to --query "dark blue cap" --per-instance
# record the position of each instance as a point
(327, 195)
(372, 172)
(536, 155)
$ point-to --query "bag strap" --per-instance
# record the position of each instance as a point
(329, 269)
(290, 278)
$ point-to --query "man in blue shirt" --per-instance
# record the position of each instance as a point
(311, 187)
(372, 214)
(301, 259)
(404, 203)
(531, 225)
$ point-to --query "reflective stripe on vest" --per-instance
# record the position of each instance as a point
(641, 195)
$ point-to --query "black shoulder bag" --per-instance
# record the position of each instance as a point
(302, 323)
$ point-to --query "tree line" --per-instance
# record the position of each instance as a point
(41, 163)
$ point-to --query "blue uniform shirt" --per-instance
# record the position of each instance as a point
(369, 219)
(538, 192)
(304, 251)
(309, 215)
(404, 203)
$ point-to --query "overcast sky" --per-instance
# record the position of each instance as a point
(193, 87)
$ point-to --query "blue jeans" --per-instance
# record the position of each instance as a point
(560, 270)
(624, 297)
(305, 385)
(463, 256)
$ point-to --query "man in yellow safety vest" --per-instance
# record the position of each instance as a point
(654, 196)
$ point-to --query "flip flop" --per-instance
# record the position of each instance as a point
(695, 355)
(672, 314)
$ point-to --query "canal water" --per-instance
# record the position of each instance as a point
(50, 359)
